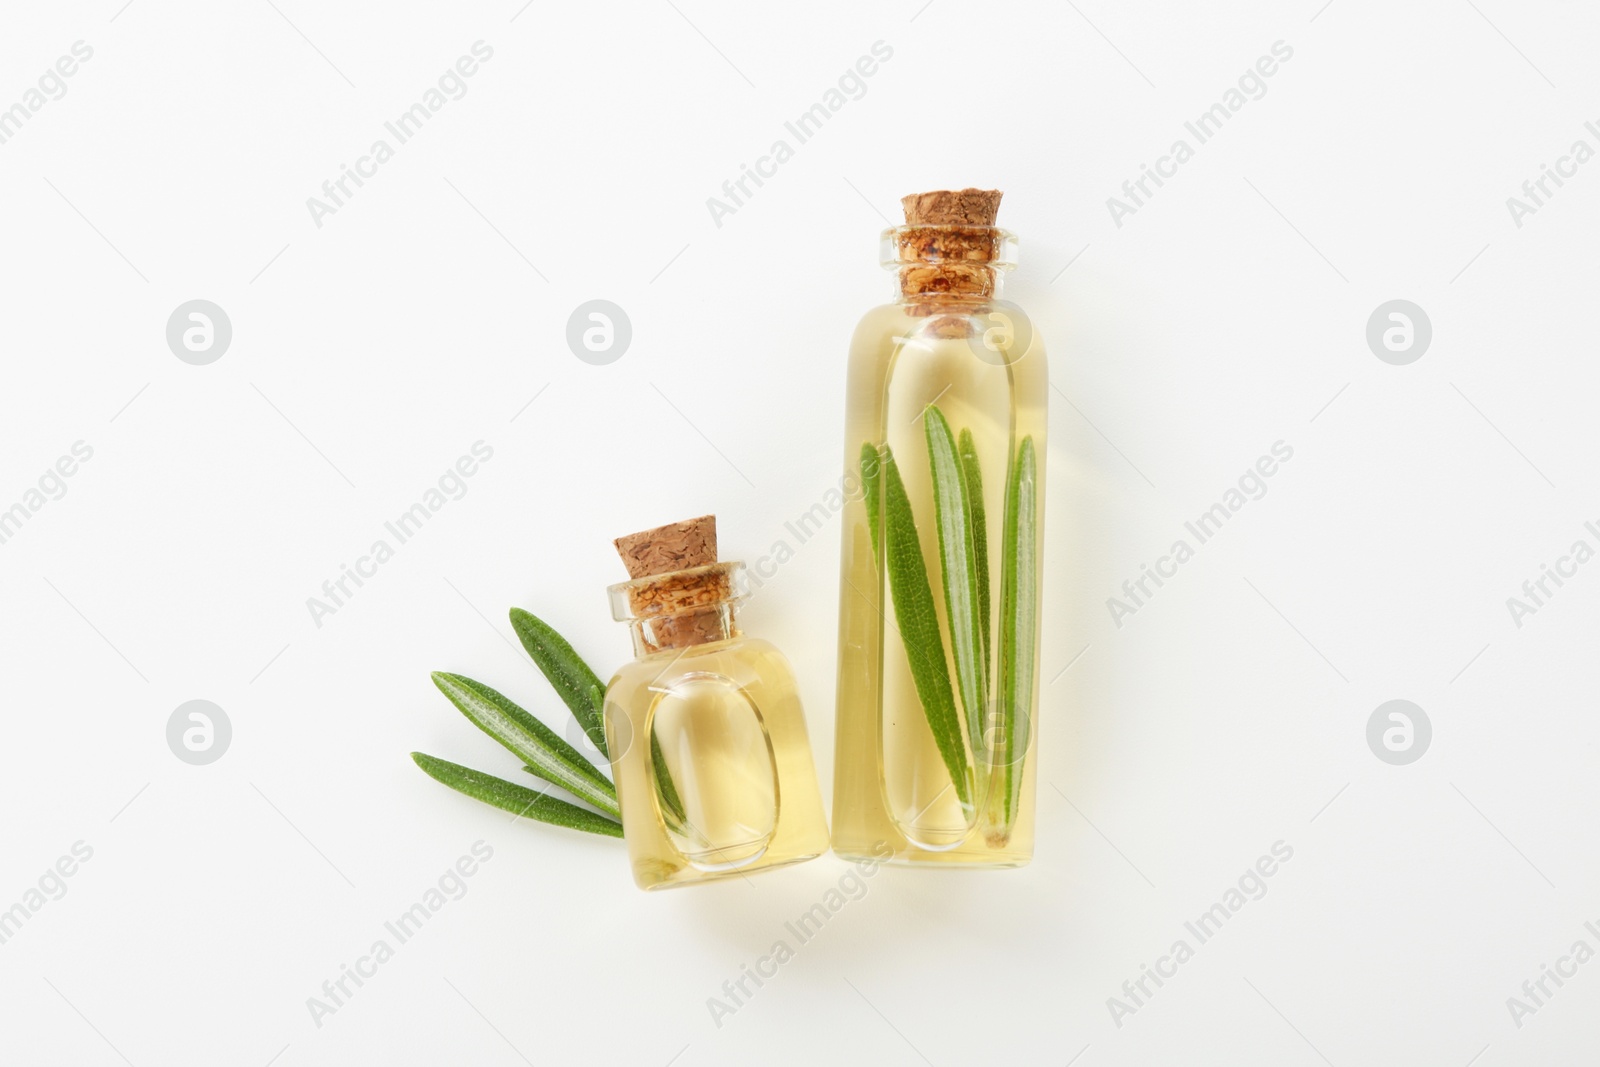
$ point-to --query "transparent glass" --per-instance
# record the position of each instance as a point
(708, 741)
(935, 737)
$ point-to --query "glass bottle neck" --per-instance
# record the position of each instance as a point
(661, 633)
(959, 263)
(680, 609)
(955, 282)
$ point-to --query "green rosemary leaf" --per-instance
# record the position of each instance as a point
(515, 798)
(666, 790)
(919, 626)
(980, 531)
(1018, 619)
(578, 686)
(958, 565)
(870, 464)
(541, 748)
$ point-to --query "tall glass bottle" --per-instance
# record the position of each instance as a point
(939, 591)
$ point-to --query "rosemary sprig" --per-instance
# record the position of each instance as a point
(578, 686)
(871, 468)
(515, 798)
(973, 473)
(958, 568)
(672, 812)
(962, 522)
(544, 751)
(1018, 614)
(919, 626)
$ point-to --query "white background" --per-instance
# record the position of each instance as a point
(368, 354)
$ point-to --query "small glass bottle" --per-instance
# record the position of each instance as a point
(939, 592)
(707, 738)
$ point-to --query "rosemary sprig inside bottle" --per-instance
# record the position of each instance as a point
(984, 740)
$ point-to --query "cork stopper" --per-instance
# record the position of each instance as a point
(946, 207)
(948, 244)
(687, 602)
(676, 546)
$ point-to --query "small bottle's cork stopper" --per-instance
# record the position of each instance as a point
(676, 546)
(687, 609)
(947, 207)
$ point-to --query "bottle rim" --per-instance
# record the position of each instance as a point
(898, 246)
(672, 593)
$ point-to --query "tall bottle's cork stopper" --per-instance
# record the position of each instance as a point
(948, 243)
(958, 207)
(679, 596)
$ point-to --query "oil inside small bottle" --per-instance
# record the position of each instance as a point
(707, 737)
(713, 775)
